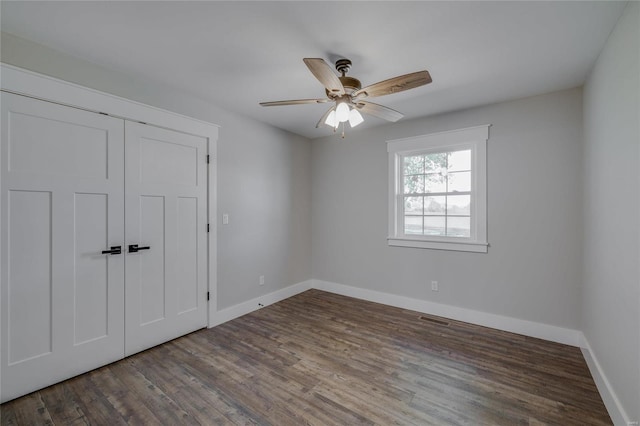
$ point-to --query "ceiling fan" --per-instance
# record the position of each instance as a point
(349, 96)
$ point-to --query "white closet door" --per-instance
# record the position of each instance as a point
(166, 210)
(62, 194)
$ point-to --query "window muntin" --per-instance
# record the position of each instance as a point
(437, 193)
(437, 190)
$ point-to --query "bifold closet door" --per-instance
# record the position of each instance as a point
(62, 205)
(166, 217)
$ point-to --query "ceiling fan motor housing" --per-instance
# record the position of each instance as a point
(350, 85)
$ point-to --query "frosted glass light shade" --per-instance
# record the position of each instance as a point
(342, 112)
(355, 118)
(331, 120)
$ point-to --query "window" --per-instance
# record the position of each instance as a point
(437, 190)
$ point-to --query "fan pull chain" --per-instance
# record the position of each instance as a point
(342, 130)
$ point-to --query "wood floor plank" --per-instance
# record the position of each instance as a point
(161, 408)
(97, 408)
(191, 393)
(323, 359)
(121, 397)
(62, 405)
(30, 410)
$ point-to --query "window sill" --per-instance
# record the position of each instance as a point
(470, 246)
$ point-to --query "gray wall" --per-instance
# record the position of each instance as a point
(611, 293)
(533, 268)
(263, 176)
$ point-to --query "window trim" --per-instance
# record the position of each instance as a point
(474, 138)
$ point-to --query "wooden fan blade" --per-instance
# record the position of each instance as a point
(394, 85)
(379, 111)
(296, 102)
(324, 117)
(325, 75)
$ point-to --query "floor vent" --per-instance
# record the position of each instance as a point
(433, 320)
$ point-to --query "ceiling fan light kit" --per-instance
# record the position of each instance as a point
(331, 119)
(348, 94)
(355, 118)
(342, 112)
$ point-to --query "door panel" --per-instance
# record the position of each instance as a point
(187, 250)
(79, 150)
(166, 194)
(29, 284)
(91, 267)
(151, 264)
(164, 161)
(62, 193)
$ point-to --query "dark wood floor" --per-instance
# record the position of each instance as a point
(323, 359)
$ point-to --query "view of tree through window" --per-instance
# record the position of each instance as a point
(437, 194)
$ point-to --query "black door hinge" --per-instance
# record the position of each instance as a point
(208, 159)
(207, 295)
(208, 227)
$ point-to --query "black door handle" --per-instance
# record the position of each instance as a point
(114, 250)
(133, 248)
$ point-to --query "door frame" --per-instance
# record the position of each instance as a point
(28, 83)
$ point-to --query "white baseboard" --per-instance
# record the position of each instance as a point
(609, 397)
(528, 328)
(227, 314)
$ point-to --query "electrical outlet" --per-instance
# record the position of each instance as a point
(225, 218)
(434, 285)
(261, 281)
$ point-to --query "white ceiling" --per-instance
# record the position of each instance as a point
(236, 54)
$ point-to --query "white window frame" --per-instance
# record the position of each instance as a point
(473, 138)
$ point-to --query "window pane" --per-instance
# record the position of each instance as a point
(435, 182)
(434, 225)
(459, 181)
(458, 226)
(459, 205)
(435, 162)
(413, 225)
(459, 160)
(434, 205)
(414, 184)
(414, 165)
(413, 205)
